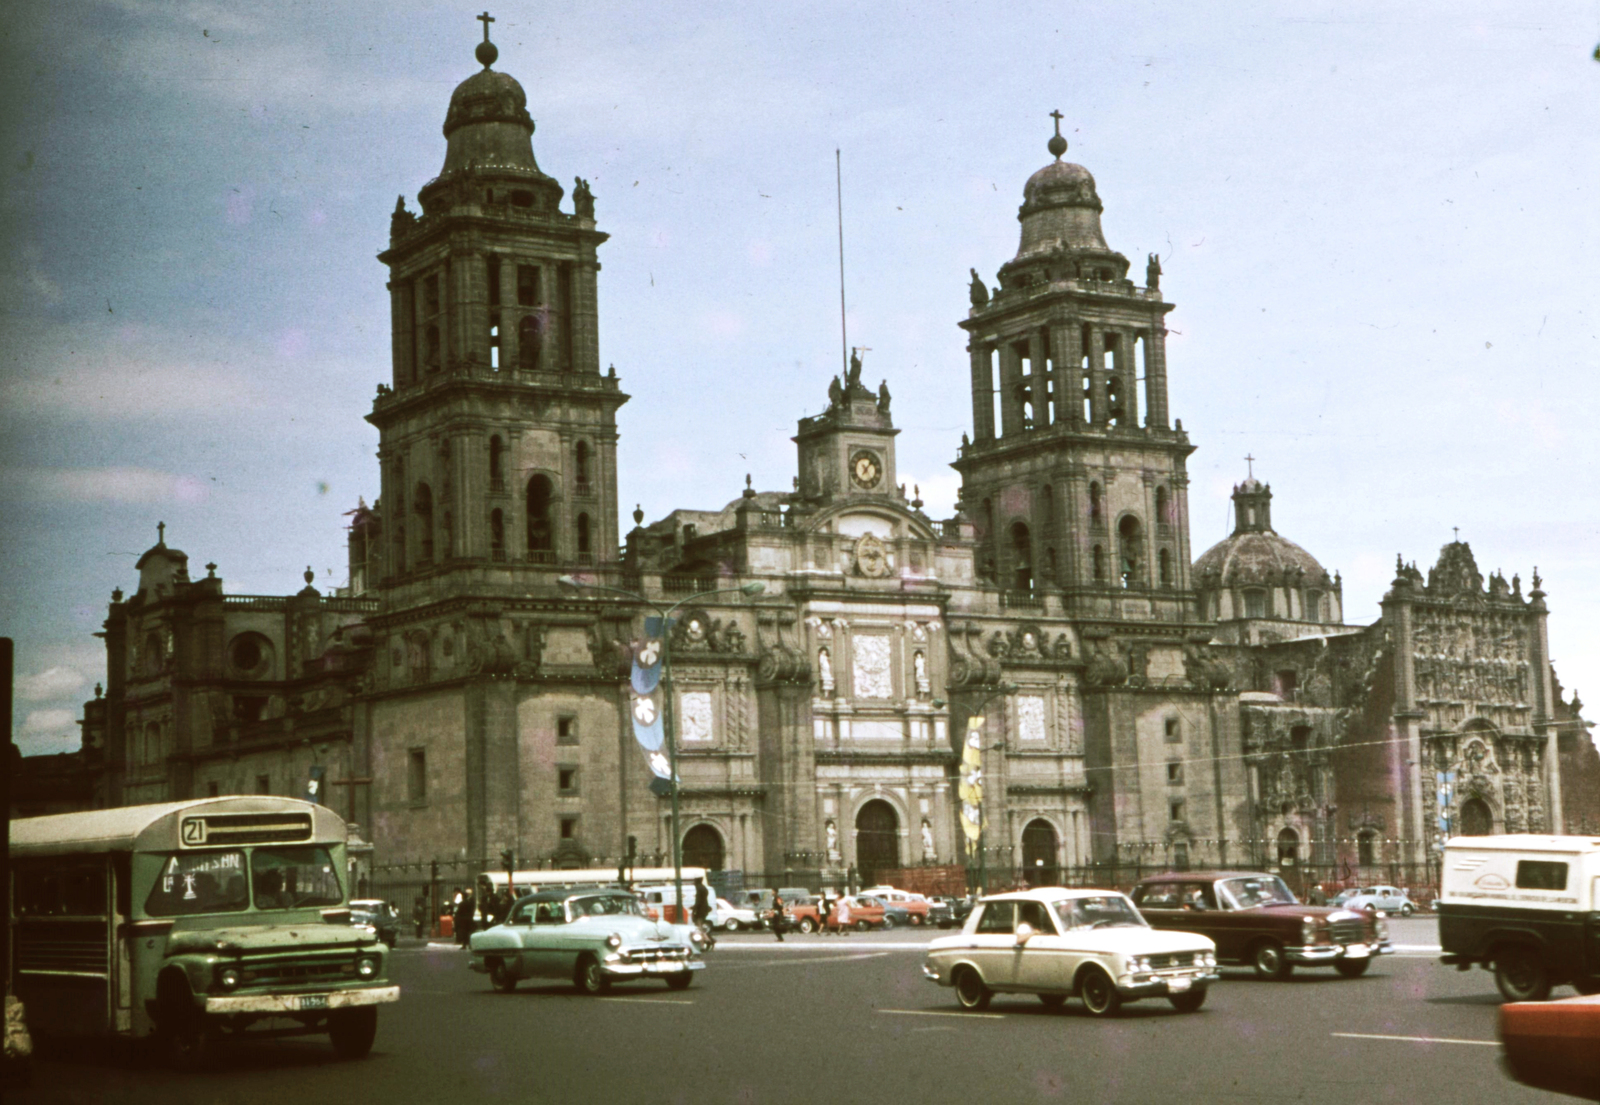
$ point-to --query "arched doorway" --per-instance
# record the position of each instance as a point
(1039, 851)
(877, 840)
(1288, 848)
(1476, 820)
(702, 847)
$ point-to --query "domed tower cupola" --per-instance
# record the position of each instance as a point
(1252, 507)
(1061, 235)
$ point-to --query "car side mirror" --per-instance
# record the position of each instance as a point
(1025, 932)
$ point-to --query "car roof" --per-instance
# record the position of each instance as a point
(1205, 876)
(561, 895)
(1050, 894)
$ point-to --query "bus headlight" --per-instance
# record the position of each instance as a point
(614, 941)
(228, 978)
(366, 966)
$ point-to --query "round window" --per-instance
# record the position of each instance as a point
(250, 654)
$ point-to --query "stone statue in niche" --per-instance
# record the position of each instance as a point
(825, 670)
(919, 669)
(929, 855)
(832, 834)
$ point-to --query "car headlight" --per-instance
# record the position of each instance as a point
(1209, 959)
(614, 941)
(366, 966)
(1138, 964)
(696, 937)
(1308, 930)
(1383, 929)
(228, 978)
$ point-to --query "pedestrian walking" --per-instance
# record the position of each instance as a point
(777, 917)
(844, 916)
(823, 911)
(702, 902)
(465, 917)
(419, 913)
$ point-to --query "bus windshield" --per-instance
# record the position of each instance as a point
(199, 882)
(289, 878)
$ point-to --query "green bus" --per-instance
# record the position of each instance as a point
(192, 923)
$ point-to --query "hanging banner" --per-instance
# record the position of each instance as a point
(647, 722)
(969, 788)
(646, 673)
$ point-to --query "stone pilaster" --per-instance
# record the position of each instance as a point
(982, 391)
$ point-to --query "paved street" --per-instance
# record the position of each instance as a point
(835, 1020)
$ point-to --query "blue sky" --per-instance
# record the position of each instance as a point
(1378, 223)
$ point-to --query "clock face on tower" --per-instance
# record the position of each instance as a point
(865, 468)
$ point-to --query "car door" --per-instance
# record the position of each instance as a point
(542, 954)
(1046, 962)
(994, 943)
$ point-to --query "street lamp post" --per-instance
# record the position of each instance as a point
(668, 733)
(983, 813)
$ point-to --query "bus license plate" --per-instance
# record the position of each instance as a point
(313, 1001)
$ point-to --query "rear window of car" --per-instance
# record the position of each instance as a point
(1161, 895)
(1538, 874)
(998, 917)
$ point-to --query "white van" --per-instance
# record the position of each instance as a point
(1525, 906)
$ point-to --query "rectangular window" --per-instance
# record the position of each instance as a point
(1175, 773)
(569, 828)
(417, 775)
(567, 780)
(1533, 874)
(1174, 733)
(1175, 811)
(263, 784)
(1255, 604)
(567, 730)
(1180, 856)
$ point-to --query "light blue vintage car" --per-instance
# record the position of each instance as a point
(593, 937)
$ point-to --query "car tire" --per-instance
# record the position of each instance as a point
(863, 926)
(351, 1031)
(916, 919)
(1053, 1001)
(1270, 962)
(680, 981)
(589, 978)
(970, 990)
(1351, 968)
(730, 925)
(888, 922)
(501, 977)
(1189, 1001)
(807, 926)
(1099, 993)
(1407, 909)
(1520, 974)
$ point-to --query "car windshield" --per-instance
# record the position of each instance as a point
(1101, 911)
(199, 882)
(1258, 890)
(604, 905)
(291, 878)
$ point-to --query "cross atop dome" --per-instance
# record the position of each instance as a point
(1058, 144)
(486, 52)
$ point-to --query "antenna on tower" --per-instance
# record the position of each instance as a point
(838, 184)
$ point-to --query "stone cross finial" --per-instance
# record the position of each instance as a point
(1057, 116)
(1457, 531)
(1057, 145)
(485, 19)
(1250, 461)
(161, 533)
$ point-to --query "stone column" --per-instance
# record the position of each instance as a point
(1039, 379)
(400, 331)
(1098, 406)
(1010, 401)
(1543, 693)
(1124, 366)
(1414, 815)
(1067, 375)
(508, 315)
(585, 318)
(548, 316)
(982, 391)
(1155, 376)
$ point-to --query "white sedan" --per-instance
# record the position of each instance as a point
(1058, 943)
(730, 918)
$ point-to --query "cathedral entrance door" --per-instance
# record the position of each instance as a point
(1039, 854)
(877, 840)
(1475, 818)
(702, 847)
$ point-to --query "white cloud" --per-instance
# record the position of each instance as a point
(50, 723)
(57, 682)
(101, 485)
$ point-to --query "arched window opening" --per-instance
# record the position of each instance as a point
(1039, 851)
(585, 556)
(1114, 399)
(530, 343)
(1255, 604)
(702, 847)
(1367, 848)
(1088, 398)
(1166, 568)
(1288, 848)
(541, 531)
(497, 464)
(877, 840)
(494, 341)
(497, 535)
(1021, 557)
(1099, 563)
(1476, 820)
(1096, 507)
(1314, 606)
(1130, 551)
(1163, 507)
(422, 507)
(580, 465)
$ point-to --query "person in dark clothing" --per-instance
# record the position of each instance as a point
(702, 903)
(778, 920)
(419, 913)
(464, 919)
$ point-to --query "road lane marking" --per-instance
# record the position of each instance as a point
(803, 962)
(650, 1001)
(1415, 1039)
(941, 1013)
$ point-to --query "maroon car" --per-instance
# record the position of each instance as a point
(1256, 920)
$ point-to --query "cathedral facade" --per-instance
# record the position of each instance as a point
(467, 694)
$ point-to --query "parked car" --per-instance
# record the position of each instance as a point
(378, 914)
(730, 918)
(865, 913)
(1524, 906)
(960, 909)
(593, 937)
(1059, 943)
(915, 906)
(940, 913)
(895, 914)
(1390, 899)
(1256, 920)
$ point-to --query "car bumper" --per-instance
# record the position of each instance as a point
(286, 1004)
(652, 970)
(1162, 985)
(1313, 954)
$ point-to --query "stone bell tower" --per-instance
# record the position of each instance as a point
(1075, 477)
(498, 432)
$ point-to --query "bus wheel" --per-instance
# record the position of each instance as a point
(184, 1034)
(352, 1030)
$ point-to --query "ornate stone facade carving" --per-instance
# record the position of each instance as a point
(873, 677)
